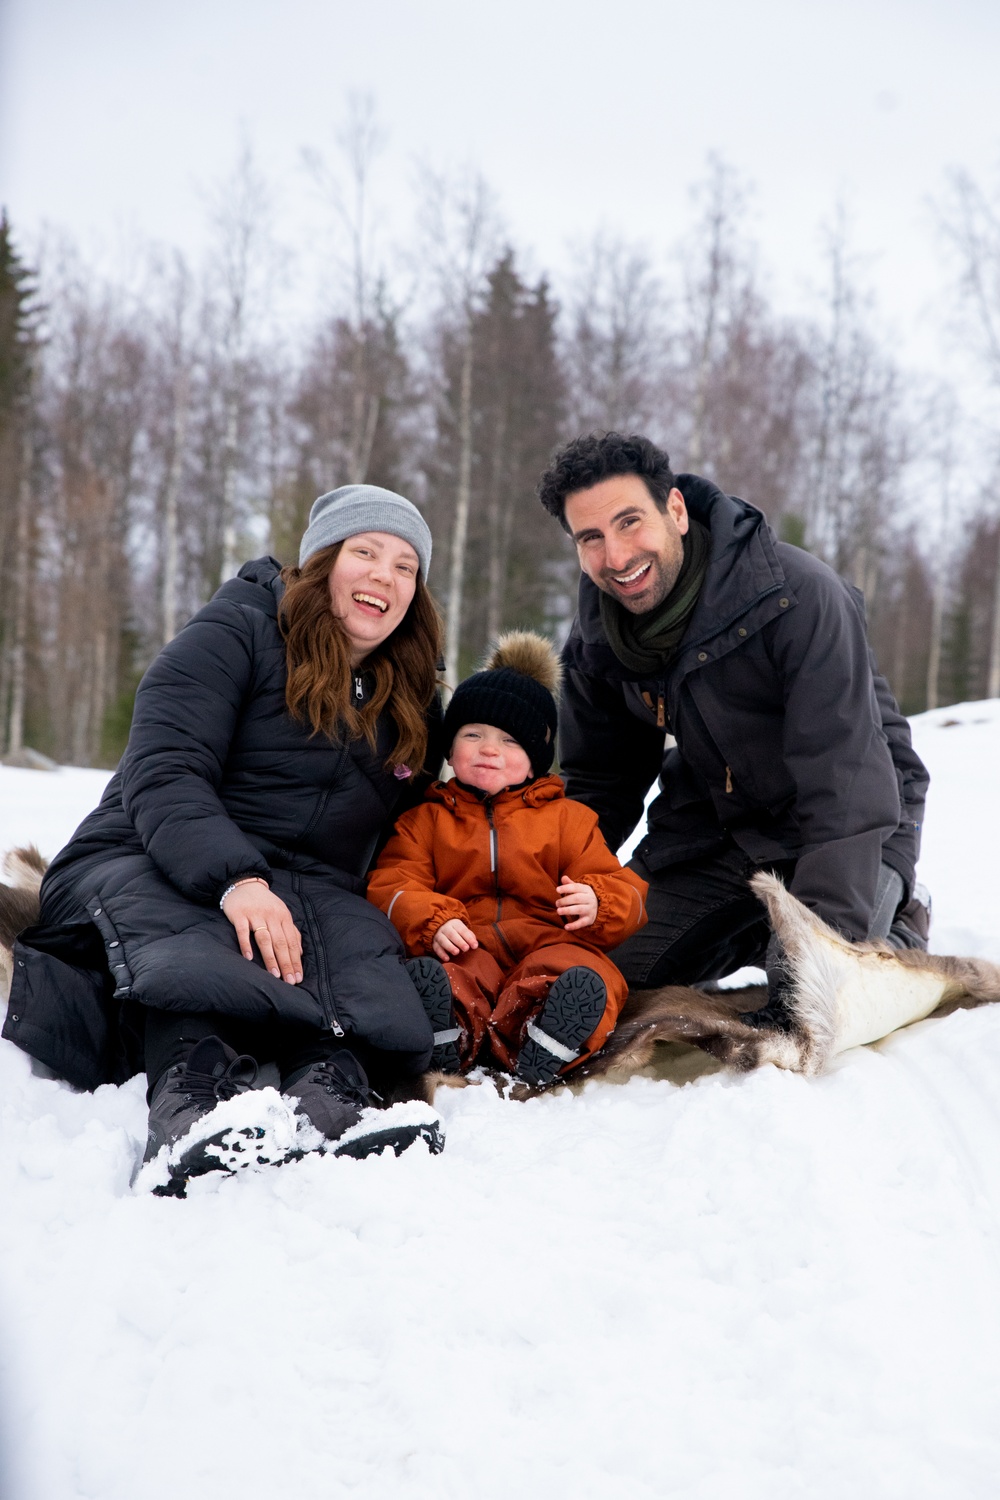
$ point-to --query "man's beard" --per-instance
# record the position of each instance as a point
(662, 575)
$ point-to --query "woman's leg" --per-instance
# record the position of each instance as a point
(332, 1080)
(193, 1067)
(170, 1037)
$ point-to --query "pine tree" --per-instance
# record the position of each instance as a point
(517, 405)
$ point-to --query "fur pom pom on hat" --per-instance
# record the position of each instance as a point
(514, 690)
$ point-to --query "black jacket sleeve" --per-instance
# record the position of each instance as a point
(186, 712)
(902, 850)
(609, 759)
(847, 794)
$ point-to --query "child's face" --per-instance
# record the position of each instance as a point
(488, 758)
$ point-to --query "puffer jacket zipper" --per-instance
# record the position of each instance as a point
(323, 970)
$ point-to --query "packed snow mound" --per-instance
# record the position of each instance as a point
(749, 1286)
(960, 746)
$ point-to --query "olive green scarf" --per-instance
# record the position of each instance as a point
(645, 643)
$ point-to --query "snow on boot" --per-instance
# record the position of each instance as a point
(395, 1128)
(332, 1098)
(574, 1005)
(202, 1120)
(434, 988)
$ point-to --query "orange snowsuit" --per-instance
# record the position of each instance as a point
(495, 862)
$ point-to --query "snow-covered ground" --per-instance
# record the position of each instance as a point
(741, 1287)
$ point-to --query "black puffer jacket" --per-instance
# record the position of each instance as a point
(788, 740)
(218, 781)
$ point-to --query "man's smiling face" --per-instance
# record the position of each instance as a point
(628, 546)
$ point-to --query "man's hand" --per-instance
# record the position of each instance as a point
(256, 911)
(578, 901)
(452, 938)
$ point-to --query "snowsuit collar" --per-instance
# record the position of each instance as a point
(452, 794)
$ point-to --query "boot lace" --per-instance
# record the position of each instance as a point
(208, 1090)
(337, 1080)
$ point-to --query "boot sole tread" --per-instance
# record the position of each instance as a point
(575, 1004)
(432, 985)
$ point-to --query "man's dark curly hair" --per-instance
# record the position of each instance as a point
(600, 455)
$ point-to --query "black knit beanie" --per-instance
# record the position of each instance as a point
(515, 692)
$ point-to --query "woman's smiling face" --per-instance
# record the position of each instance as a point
(372, 583)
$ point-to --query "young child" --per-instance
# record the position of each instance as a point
(503, 890)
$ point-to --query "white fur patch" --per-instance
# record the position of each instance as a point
(844, 995)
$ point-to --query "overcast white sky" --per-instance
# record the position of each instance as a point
(579, 112)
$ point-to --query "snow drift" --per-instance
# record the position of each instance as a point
(760, 1285)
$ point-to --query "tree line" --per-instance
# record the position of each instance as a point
(154, 435)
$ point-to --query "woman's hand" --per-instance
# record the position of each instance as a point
(452, 938)
(576, 900)
(255, 910)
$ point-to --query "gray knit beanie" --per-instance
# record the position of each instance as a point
(365, 507)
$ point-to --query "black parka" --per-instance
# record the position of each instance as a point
(788, 740)
(218, 781)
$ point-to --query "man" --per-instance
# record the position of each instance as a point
(786, 749)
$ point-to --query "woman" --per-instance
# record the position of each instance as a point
(209, 916)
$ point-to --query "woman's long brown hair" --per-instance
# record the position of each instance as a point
(320, 677)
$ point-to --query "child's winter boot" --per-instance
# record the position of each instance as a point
(572, 1009)
(434, 988)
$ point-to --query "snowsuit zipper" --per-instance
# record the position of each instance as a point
(359, 691)
(495, 868)
(729, 780)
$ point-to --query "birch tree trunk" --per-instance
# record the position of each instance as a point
(937, 620)
(993, 679)
(168, 595)
(230, 559)
(499, 532)
(460, 534)
(706, 343)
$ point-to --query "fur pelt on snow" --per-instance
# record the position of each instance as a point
(842, 994)
(24, 869)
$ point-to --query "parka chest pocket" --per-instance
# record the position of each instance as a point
(648, 702)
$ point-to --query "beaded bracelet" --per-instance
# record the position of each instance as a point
(246, 880)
